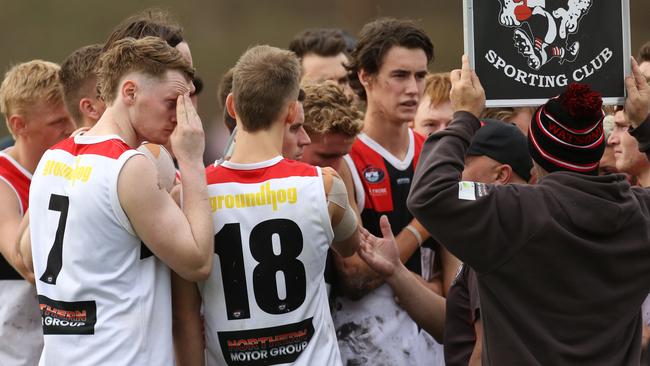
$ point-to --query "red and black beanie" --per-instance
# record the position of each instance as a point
(566, 133)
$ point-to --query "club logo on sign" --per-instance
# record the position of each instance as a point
(542, 33)
(526, 51)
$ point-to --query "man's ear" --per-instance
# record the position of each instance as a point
(230, 106)
(365, 78)
(18, 124)
(503, 174)
(292, 112)
(87, 108)
(128, 91)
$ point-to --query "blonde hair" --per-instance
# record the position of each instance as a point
(149, 55)
(26, 84)
(329, 110)
(264, 79)
(437, 88)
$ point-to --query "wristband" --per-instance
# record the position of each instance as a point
(415, 233)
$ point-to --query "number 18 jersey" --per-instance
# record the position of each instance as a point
(265, 302)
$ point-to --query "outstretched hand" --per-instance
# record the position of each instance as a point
(466, 93)
(381, 254)
(637, 104)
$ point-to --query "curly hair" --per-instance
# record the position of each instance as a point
(329, 110)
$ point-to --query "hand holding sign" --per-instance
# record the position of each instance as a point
(466, 94)
(637, 104)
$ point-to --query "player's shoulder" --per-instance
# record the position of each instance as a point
(106, 146)
(329, 174)
(295, 167)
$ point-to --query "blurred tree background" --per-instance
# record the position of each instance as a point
(218, 31)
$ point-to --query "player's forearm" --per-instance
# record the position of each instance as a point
(408, 242)
(196, 207)
(187, 325)
(424, 306)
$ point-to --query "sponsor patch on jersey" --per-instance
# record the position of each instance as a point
(266, 346)
(470, 191)
(62, 317)
(373, 175)
(404, 180)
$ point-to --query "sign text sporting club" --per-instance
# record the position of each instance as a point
(526, 51)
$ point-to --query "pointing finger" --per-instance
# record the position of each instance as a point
(630, 85)
(466, 73)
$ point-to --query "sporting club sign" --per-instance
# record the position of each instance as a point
(526, 51)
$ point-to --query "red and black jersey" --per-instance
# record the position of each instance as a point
(382, 183)
(18, 179)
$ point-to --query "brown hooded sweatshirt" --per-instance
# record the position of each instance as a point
(562, 266)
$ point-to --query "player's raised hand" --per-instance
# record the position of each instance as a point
(637, 104)
(188, 138)
(466, 93)
(381, 254)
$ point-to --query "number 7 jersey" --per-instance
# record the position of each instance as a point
(104, 300)
(265, 301)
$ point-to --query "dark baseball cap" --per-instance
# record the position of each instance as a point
(504, 143)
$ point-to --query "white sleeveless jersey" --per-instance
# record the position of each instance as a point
(265, 302)
(20, 322)
(104, 299)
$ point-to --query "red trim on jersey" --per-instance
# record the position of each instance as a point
(17, 179)
(371, 165)
(283, 169)
(418, 142)
(112, 148)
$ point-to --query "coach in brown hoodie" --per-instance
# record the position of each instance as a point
(563, 266)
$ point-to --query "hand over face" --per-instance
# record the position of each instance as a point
(188, 139)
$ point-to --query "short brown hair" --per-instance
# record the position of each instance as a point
(329, 110)
(26, 84)
(264, 80)
(376, 39)
(78, 78)
(148, 23)
(644, 53)
(149, 55)
(437, 87)
(323, 42)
